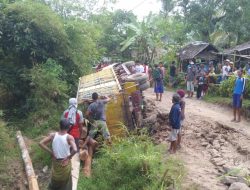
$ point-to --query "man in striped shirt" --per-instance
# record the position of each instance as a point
(239, 88)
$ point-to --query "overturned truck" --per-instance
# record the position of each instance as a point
(125, 90)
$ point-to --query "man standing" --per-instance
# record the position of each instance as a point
(158, 82)
(75, 117)
(172, 73)
(225, 69)
(96, 111)
(239, 88)
(62, 142)
(190, 79)
(163, 70)
(139, 67)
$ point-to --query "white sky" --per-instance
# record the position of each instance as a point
(140, 8)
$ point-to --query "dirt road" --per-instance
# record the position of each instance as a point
(212, 144)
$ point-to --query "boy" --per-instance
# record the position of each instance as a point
(174, 120)
(181, 93)
(238, 92)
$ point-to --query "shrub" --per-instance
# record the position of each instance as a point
(132, 164)
(227, 86)
(48, 95)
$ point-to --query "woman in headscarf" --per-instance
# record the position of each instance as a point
(75, 117)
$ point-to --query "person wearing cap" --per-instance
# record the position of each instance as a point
(63, 149)
(225, 69)
(181, 93)
(174, 120)
(75, 118)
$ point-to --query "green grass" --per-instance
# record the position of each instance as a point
(226, 101)
(134, 163)
(39, 156)
(9, 155)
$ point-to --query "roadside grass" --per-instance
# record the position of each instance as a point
(39, 156)
(133, 163)
(226, 101)
(9, 155)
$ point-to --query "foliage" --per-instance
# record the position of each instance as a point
(222, 22)
(138, 165)
(227, 86)
(48, 95)
(9, 154)
(39, 156)
(144, 38)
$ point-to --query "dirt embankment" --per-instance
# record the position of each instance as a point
(215, 151)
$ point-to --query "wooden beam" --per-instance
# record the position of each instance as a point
(32, 179)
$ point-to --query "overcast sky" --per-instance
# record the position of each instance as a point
(141, 8)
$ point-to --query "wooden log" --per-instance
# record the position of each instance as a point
(32, 179)
(88, 162)
(75, 161)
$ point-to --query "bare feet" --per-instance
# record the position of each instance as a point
(233, 120)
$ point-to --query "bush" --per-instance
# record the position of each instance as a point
(227, 86)
(48, 95)
(132, 164)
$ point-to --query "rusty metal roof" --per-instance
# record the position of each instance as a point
(239, 48)
(193, 49)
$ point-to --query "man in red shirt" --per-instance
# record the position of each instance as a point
(75, 118)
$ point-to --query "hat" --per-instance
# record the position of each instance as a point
(191, 62)
(231, 62)
(72, 101)
(181, 93)
(227, 60)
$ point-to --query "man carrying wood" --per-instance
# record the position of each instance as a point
(96, 111)
(62, 143)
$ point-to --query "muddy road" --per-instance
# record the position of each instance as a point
(212, 148)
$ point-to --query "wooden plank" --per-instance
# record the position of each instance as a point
(32, 179)
(75, 161)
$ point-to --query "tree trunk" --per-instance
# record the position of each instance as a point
(32, 180)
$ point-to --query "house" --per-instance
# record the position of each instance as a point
(242, 49)
(203, 51)
(239, 54)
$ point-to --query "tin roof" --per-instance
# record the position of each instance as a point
(193, 49)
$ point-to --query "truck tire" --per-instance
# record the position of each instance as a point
(129, 63)
(137, 77)
(144, 86)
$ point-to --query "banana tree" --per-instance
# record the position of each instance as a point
(144, 38)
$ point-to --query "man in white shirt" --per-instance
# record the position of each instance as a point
(225, 69)
(139, 67)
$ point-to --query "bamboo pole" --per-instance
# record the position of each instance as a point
(32, 179)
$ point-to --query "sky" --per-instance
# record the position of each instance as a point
(140, 8)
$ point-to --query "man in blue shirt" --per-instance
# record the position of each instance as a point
(239, 88)
(174, 120)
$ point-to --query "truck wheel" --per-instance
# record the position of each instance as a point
(144, 86)
(129, 63)
(137, 77)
